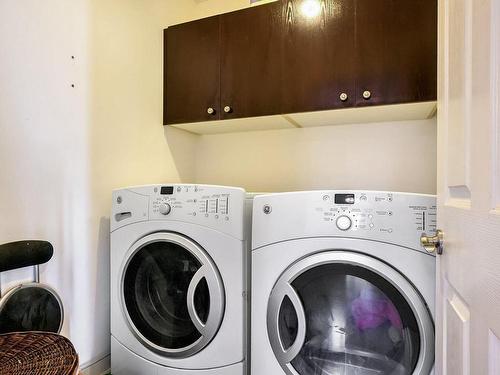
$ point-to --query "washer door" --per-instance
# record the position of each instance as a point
(341, 312)
(172, 294)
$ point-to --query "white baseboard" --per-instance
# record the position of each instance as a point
(100, 367)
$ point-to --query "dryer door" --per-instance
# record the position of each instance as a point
(172, 294)
(341, 312)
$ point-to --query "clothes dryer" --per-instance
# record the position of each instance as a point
(341, 284)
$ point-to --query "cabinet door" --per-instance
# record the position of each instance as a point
(396, 47)
(191, 82)
(318, 63)
(250, 61)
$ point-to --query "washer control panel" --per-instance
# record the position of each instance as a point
(214, 206)
(398, 218)
(191, 200)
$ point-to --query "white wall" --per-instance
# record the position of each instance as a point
(63, 149)
(44, 152)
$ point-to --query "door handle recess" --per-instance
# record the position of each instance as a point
(198, 276)
(433, 243)
(216, 295)
(123, 215)
(285, 355)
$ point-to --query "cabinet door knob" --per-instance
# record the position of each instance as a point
(343, 97)
(367, 94)
(227, 109)
(210, 111)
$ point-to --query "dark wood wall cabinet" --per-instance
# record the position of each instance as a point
(286, 58)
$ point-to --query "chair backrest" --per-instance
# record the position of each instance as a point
(20, 254)
(29, 306)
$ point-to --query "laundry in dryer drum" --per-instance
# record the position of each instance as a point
(371, 310)
(355, 328)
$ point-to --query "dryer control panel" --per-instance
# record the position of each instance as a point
(398, 218)
(218, 207)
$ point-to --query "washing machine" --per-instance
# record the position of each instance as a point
(341, 284)
(179, 280)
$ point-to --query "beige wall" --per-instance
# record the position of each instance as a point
(128, 144)
(205, 8)
(397, 156)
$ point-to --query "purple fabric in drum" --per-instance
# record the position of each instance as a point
(372, 311)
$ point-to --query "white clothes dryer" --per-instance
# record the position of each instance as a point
(178, 280)
(341, 284)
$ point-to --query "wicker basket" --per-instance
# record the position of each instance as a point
(37, 353)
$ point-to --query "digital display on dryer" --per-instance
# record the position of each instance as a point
(167, 190)
(344, 198)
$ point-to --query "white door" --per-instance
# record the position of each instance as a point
(468, 286)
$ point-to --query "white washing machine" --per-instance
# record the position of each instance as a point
(341, 285)
(178, 280)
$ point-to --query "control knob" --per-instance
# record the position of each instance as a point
(344, 222)
(165, 209)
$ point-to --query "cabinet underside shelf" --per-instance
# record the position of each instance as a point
(373, 114)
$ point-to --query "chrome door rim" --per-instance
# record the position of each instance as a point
(213, 279)
(405, 288)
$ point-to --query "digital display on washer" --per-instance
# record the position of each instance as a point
(344, 198)
(167, 190)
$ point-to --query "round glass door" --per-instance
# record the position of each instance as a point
(346, 313)
(172, 294)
